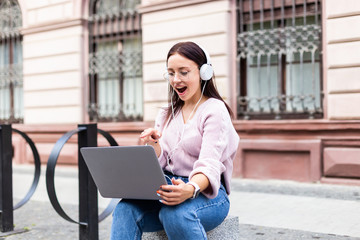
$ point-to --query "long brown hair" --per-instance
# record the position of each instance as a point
(191, 51)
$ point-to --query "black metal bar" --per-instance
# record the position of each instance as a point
(6, 186)
(261, 14)
(272, 14)
(304, 12)
(282, 12)
(316, 13)
(91, 22)
(6, 183)
(293, 13)
(88, 200)
(241, 26)
(251, 15)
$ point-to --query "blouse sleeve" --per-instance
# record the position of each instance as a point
(216, 128)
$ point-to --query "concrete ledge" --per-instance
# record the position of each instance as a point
(229, 230)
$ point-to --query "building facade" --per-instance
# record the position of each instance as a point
(288, 68)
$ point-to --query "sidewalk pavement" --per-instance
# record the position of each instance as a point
(270, 209)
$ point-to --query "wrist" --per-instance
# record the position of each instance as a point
(190, 190)
(196, 188)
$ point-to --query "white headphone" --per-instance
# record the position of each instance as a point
(206, 70)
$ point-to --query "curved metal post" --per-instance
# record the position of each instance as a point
(37, 172)
(6, 154)
(50, 173)
(88, 205)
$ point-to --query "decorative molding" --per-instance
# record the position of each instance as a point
(49, 26)
(297, 125)
(164, 5)
(343, 15)
(117, 127)
(344, 40)
(240, 126)
(343, 66)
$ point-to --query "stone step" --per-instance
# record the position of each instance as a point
(229, 229)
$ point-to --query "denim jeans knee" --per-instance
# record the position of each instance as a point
(194, 217)
(133, 217)
(188, 220)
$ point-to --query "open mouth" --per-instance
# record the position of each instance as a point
(181, 90)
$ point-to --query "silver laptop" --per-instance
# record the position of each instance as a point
(131, 172)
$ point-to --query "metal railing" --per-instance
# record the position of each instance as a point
(115, 61)
(11, 67)
(6, 183)
(88, 196)
(279, 59)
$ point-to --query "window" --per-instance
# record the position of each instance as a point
(115, 62)
(279, 59)
(11, 80)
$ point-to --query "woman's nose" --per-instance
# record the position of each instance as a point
(177, 78)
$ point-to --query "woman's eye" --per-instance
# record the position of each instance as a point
(183, 74)
(171, 74)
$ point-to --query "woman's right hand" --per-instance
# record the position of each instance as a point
(150, 136)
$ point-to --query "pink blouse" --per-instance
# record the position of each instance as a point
(206, 144)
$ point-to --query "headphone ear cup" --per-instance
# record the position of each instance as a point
(206, 72)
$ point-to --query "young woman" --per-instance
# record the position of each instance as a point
(196, 143)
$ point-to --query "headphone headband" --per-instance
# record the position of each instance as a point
(208, 60)
(206, 70)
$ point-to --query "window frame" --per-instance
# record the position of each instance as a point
(276, 13)
(10, 37)
(106, 28)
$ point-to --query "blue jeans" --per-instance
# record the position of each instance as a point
(188, 220)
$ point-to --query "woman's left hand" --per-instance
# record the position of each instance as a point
(176, 193)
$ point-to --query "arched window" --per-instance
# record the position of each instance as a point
(279, 59)
(115, 61)
(11, 77)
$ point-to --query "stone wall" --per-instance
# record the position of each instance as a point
(342, 68)
(54, 46)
